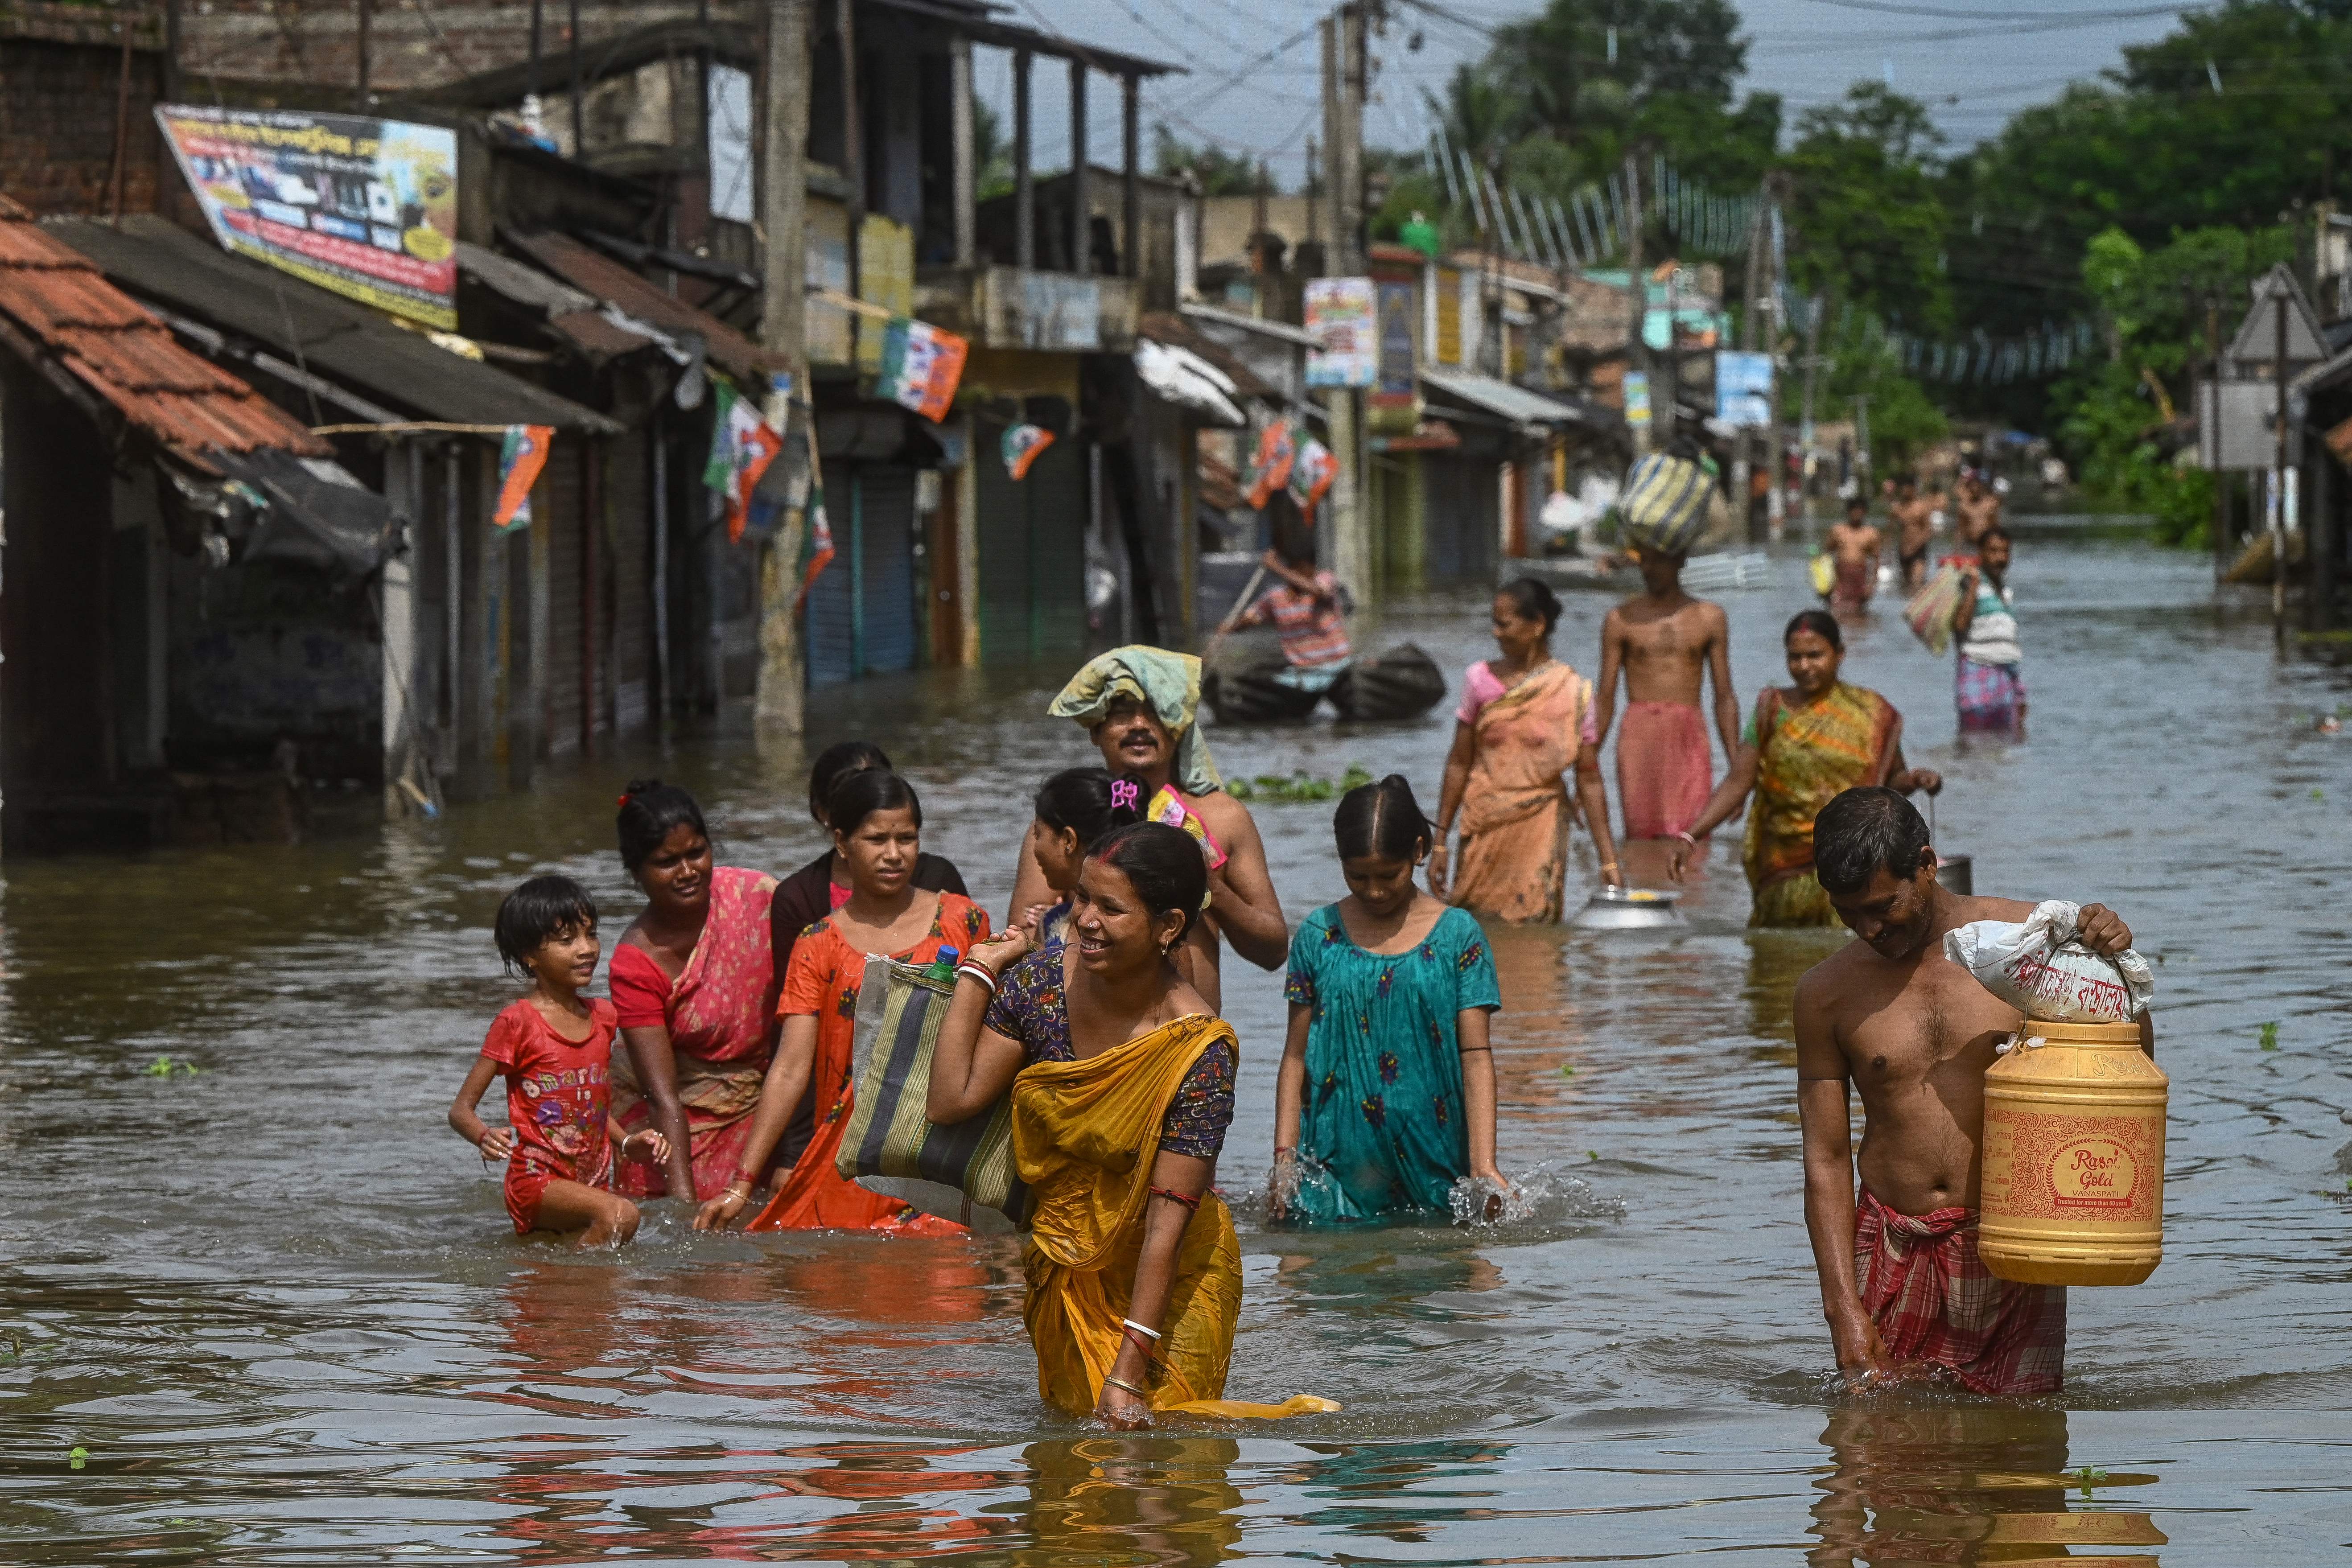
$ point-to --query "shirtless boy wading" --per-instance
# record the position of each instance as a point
(1665, 642)
(1901, 1283)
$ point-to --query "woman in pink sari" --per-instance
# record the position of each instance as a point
(694, 981)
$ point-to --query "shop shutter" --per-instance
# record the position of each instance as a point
(861, 613)
(1033, 553)
(556, 497)
(1461, 518)
(885, 513)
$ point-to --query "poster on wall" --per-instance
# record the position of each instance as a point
(1340, 313)
(364, 206)
(729, 120)
(1743, 389)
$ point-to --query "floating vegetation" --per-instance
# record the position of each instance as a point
(1300, 788)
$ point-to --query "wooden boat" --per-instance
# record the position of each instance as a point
(1403, 682)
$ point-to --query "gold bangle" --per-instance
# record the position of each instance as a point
(1143, 1394)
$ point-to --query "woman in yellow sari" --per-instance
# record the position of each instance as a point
(1122, 1085)
(1526, 720)
(1802, 747)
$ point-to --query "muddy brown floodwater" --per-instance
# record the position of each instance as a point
(278, 1305)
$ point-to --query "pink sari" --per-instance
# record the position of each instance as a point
(723, 1031)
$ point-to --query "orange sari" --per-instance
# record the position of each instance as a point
(824, 980)
(1515, 808)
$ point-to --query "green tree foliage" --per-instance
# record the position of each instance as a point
(1220, 174)
(1867, 224)
(992, 151)
(2158, 309)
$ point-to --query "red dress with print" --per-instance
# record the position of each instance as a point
(558, 1093)
(823, 980)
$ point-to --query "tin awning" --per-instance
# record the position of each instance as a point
(1486, 395)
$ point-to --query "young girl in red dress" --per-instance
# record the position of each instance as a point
(554, 1048)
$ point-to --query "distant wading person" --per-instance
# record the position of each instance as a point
(1803, 746)
(1526, 721)
(1122, 1085)
(1140, 707)
(1902, 1286)
(1988, 680)
(1386, 1089)
(1667, 644)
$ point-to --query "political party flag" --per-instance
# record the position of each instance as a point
(1270, 466)
(741, 446)
(921, 367)
(1022, 445)
(1310, 476)
(521, 457)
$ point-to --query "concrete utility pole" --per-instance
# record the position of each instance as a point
(783, 318)
(2279, 493)
(1344, 68)
(1637, 348)
(1765, 308)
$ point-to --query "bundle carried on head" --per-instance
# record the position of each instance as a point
(1665, 502)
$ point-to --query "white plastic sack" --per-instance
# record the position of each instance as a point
(2038, 967)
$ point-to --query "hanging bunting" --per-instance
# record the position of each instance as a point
(1310, 476)
(1022, 446)
(1270, 464)
(522, 455)
(741, 446)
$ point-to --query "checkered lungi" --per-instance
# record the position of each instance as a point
(1934, 1301)
(1990, 696)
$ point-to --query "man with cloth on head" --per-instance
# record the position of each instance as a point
(1668, 644)
(1902, 1286)
(1140, 707)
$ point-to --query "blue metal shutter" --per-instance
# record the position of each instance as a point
(886, 558)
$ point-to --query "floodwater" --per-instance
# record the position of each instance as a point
(277, 1306)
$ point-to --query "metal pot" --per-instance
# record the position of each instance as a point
(1630, 908)
(1957, 873)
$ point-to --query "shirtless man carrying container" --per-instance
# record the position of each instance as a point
(1978, 508)
(1854, 545)
(1665, 642)
(1902, 1286)
(1914, 516)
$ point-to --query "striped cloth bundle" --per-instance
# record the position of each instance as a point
(963, 1172)
(1664, 503)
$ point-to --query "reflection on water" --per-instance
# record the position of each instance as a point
(1981, 1482)
(280, 1309)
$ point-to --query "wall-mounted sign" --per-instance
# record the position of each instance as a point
(1342, 314)
(1743, 389)
(364, 206)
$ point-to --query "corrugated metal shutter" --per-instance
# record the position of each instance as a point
(558, 492)
(1462, 518)
(861, 613)
(629, 571)
(885, 513)
(832, 618)
(1033, 553)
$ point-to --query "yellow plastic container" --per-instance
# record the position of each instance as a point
(2074, 1158)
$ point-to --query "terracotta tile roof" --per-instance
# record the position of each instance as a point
(125, 356)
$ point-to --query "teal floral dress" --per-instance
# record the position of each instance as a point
(1383, 1115)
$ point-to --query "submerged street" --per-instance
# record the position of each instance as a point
(250, 1276)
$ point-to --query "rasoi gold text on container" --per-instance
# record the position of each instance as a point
(2074, 1158)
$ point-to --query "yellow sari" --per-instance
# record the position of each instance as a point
(1807, 755)
(1086, 1134)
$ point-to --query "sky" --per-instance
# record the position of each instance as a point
(1254, 75)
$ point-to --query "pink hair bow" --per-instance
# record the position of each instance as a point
(1123, 795)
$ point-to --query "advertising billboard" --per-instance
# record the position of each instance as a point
(364, 206)
(1340, 313)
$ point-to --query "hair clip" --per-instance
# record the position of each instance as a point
(623, 800)
(1123, 794)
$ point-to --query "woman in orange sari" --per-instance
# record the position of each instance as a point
(877, 832)
(1801, 748)
(1526, 720)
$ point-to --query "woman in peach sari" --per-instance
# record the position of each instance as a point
(1526, 721)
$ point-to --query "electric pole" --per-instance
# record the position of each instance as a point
(1345, 62)
(1637, 347)
(783, 316)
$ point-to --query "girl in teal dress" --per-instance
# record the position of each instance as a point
(1386, 1094)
